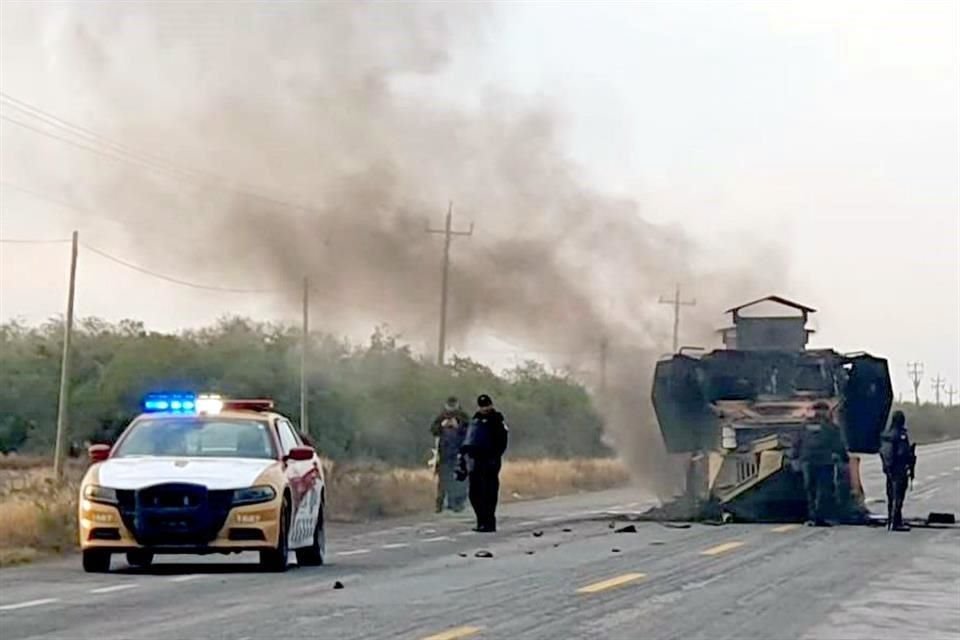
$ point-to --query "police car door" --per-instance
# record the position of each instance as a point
(302, 476)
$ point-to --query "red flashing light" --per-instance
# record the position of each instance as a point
(260, 404)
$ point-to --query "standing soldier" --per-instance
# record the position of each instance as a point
(449, 429)
(821, 449)
(899, 462)
(482, 452)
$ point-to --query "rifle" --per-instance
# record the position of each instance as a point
(913, 464)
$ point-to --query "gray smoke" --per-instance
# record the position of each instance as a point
(342, 110)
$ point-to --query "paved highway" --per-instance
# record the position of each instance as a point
(421, 579)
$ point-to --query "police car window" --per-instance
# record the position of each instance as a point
(288, 439)
(194, 437)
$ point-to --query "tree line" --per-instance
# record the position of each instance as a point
(373, 401)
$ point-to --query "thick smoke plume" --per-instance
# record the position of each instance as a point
(344, 112)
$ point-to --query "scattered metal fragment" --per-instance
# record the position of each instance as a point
(338, 585)
(462, 554)
(529, 553)
(567, 529)
(676, 525)
(483, 553)
(939, 517)
(627, 529)
(615, 550)
(537, 534)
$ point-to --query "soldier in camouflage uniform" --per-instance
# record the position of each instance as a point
(449, 429)
(821, 448)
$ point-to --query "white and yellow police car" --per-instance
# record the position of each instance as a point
(200, 474)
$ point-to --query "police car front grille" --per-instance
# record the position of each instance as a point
(174, 513)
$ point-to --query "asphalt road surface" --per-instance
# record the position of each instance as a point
(421, 579)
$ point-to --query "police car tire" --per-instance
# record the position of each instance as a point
(96, 561)
(139, 558)
(312, 556)
(276, 560)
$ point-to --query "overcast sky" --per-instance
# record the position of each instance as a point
(828, 132)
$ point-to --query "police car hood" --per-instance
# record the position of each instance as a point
(213, 473)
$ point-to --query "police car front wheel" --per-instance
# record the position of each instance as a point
(312, 556)
(96, 561)
(139, 558)
(276, 559)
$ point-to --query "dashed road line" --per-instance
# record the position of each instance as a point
(192, 576)
(438, 539)
(355, 552)
(114, 588)
(612, 583)
(455, 634)
(722, 548)
(528, 523)
(396, 545)
(28, 603)
(785, 528)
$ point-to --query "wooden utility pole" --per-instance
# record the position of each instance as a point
(604, 349)
(915, 371)
(950, 391)
(304, 346)
(448, 234)
(677, 302)
(63, 404)
(937, 384)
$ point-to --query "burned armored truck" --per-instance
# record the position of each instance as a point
(736, 414)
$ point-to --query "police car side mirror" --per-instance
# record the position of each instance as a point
(98, 452)
(300, 454)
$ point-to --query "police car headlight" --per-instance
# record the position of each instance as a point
(103, 495)
(254, 495)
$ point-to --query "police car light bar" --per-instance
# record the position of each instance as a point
(209, 403)
(170, 403)
(258, 404)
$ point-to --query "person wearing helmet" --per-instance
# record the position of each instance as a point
(449, 429)
(481, 456)
(899, 460)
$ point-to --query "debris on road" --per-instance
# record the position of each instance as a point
(615, 550)
(937, 517)
(537, 534)
(483, 553)
(567, 529)
(529, 553)
(657, 542)
(338, 585)
(627, 529)
(677, 525)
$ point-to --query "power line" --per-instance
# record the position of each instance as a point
(40, 196)
(32, 241)
(161, 276)
(120, 152)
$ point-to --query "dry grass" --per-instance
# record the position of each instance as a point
(370, 492)
(39, 514)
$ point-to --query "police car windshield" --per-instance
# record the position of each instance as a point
(191, 436)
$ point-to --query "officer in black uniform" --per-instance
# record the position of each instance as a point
(899, 462)
(481, 454)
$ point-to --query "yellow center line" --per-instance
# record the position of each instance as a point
(785, 528)
(596, 587)
(455, 634)
(722, 548)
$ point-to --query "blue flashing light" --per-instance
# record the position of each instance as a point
(170, 402)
